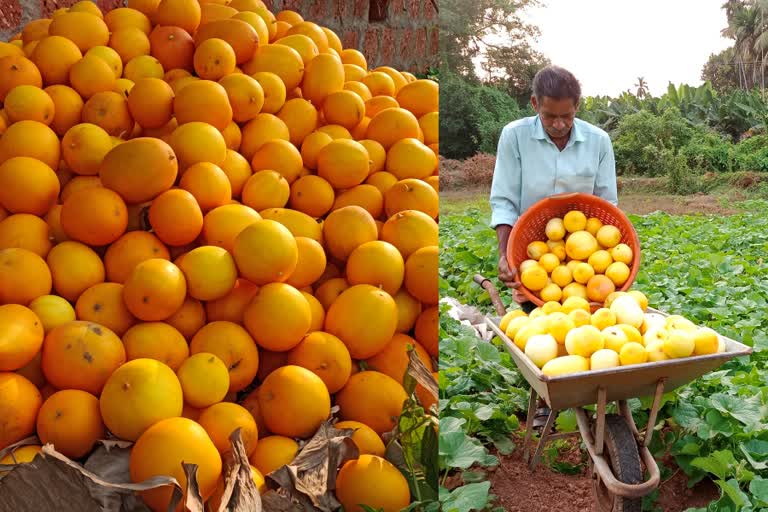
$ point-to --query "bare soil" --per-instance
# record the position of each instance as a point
(517, 489)
(642, 204)
(633, 202)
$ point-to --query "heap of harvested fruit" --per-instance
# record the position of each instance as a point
(212, 217)
(582, 257)
(567, 338)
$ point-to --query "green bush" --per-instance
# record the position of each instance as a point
(638, 144)
(681, 178)
(472, 116)
(459, 137)
(498, 110)
(752, 154)
(644, 141)
(708, 151)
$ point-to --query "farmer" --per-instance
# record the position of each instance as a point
(546, 154)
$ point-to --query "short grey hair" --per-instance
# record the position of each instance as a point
(556, 82)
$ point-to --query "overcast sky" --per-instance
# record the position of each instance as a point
(608, 44)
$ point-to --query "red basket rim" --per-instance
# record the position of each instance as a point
(555, 201)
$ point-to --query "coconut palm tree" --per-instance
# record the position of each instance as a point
(747, 26)
(642, 88)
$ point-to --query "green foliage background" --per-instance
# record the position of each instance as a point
(685, 133)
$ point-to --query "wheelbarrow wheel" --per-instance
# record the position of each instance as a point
(620, 450)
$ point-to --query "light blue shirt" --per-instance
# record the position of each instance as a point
(530, 167)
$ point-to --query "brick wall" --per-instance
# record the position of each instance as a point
(398, 33)
(14, 14)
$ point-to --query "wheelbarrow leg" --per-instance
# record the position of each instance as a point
(600, 421)
(654, 411)
(543, 441)
(529, 425)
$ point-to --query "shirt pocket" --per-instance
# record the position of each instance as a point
(581, 180)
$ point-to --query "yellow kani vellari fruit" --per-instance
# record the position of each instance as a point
(559, 325)
(632, 353)
(655, 351)
(565, 365)
(614, 337)
(617, 272)
(557, 248)
(549, 261)
(537, 249)
(541, 349)
(600, 260)
(583, 272)
(561, 276)
(652, 321)
(580, 245)
(640, 297)
(528, 331)
(608, 236)
(571, 264)
(632, 333)
(706, 341)
(584, 341)
(680, 322)
(572, 303)
(622, 253)
(534, 278)
(593, 225)
(551, 292)
(574, 221)
(555, 229)
(514, 326)
(575, 290)
(551, 307)
(611, 297)
(603, 318)
(604, 358)
(515, 313)
(679, 343)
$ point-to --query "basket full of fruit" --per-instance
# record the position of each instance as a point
(573, 245)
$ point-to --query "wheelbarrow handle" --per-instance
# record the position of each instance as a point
(492, 292)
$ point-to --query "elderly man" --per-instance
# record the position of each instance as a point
(546, 154)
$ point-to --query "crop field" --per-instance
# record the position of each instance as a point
(713, 432)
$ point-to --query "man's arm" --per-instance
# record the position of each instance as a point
(605, 184)
(502, 234)
(506, 184)
(505, 199)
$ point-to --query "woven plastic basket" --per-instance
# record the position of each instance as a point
(532, 224)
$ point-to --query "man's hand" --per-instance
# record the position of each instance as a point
(507, 273)
(507, 276)
(518, 297)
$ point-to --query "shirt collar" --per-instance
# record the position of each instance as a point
(577, 134)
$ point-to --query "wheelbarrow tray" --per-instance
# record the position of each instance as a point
(635, 381)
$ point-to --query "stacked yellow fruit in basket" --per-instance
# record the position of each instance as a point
(195, 197)
(567, 338)
(581, 257)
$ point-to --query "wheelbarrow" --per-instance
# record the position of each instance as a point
(617, 450)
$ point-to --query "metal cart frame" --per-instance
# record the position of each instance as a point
(615, 445)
